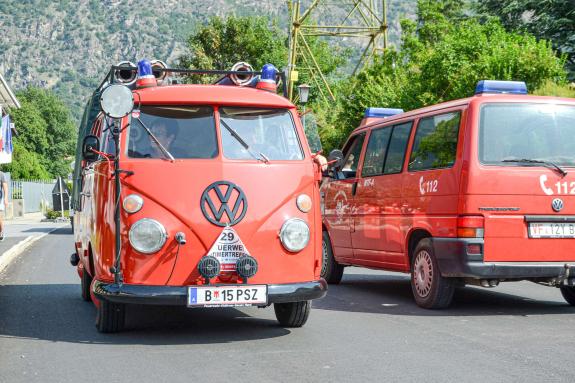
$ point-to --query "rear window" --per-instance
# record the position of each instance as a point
(435, 143)
(183, 131)
(249, 133)
(541, 132)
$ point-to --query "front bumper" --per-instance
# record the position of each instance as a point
(178, 295)
(454, 261)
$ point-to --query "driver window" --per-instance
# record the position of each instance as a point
(351, 154)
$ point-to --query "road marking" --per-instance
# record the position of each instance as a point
(12, 253)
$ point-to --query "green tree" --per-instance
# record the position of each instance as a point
(553, 20)
(46, 134)
(222, 42)
(443, 56)
(25, 164)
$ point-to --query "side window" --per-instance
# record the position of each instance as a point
(397, 147)
(351, 155)
(107, 139)
(435, 143)
(376, 152)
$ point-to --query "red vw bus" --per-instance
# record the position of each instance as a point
(195, 195)
(473, 191)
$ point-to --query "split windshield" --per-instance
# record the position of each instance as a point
(180, 132)
(183, 132)
(525, 134)
(269, 134)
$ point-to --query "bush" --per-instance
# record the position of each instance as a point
(52, 214)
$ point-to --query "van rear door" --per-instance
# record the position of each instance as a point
(524, 184)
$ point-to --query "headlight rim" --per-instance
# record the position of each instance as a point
(163, 233)
(284, 228)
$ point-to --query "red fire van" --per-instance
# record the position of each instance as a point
(195, 195)
(473, 191)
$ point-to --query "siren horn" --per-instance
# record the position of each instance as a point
(242, 79)
(159, 74)
(126, 76)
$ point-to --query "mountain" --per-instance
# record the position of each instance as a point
(68, 45)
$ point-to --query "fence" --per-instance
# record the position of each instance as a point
(36, 194)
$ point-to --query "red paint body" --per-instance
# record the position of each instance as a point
(374, 226)
(172, 191)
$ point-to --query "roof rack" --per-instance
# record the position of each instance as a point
(111, 75)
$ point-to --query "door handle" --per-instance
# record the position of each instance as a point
(86, 194)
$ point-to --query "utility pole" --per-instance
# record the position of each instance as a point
(366, 19)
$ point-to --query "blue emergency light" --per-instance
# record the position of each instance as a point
(145, 69)
(501, 87)
(382, 112)
(268, 73)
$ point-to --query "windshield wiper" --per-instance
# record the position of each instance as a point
(244, 143)
(548, 164)
(165, 151)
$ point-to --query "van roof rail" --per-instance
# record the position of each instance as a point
(111, 75)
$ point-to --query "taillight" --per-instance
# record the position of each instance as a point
(470, 226)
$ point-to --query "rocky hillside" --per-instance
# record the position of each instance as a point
(67, 45)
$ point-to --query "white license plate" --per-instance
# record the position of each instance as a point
(216, 296)
(551, 230)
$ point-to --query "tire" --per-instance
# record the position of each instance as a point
(85, 285)
(568, 293)
(430, 289)
(331, 271)
(110, 317)
(292, 314)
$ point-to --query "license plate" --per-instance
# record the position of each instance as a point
(217, 296)
(551, 230)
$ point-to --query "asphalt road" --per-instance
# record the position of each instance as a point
(366, 329)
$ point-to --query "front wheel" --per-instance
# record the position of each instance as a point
(110, 317)
(568, 293)
(331, 271)
(85, 285)
(292, 314)
(430, 289)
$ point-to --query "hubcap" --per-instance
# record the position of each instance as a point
(423, 273)
(324, 256)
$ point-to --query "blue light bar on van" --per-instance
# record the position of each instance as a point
(494, 86)
(382, 112)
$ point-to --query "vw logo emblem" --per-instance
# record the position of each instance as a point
(224, 203)
(557, 204)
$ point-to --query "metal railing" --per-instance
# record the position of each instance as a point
(36, 194)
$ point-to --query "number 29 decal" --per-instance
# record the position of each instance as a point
(560, 187)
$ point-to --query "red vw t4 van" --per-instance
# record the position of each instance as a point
(473, 191)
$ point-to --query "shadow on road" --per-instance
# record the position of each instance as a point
(55, 312)
(391, 294)
(66, 230)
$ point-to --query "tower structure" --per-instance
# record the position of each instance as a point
(361, 19)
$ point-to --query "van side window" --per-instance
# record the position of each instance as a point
(397, 147)
(376, 152)
(435, 143)
(351, 155)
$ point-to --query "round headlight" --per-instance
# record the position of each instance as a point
(294, 234)
(147, 236)
(303, 202)
(133, 203)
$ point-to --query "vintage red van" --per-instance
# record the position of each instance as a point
(195, 195)
(473, 191)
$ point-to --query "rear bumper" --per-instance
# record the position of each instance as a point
(454, 261)
(178, 295)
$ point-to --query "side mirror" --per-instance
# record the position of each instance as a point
(90, 142)
(335, 159)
